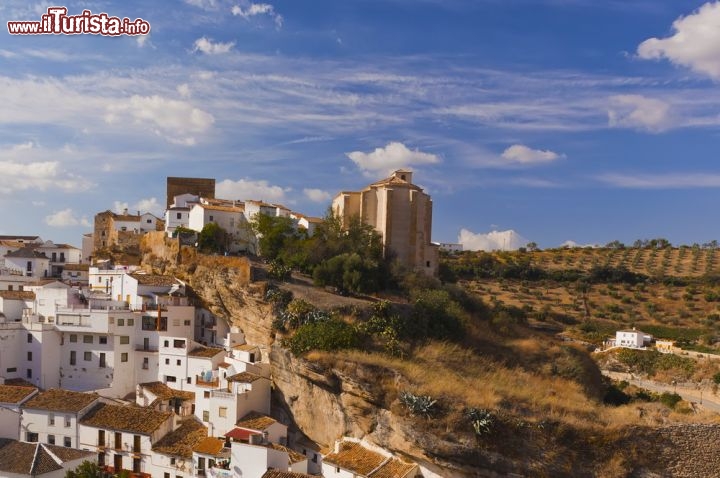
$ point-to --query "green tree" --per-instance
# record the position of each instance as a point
(212, 238)
(86, 469)
(275, 233)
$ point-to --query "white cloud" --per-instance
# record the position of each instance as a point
(492, 241)
(639, 112)
(248, 189)
(207, 46)
(520, 153)
(258, 9)
(317, 195)
(184, 90)
(142, 40)
(393, 156)
(662, 181)
(150, 205)
(66, 218)
(694, 44)
(177, 121)
(21, 172)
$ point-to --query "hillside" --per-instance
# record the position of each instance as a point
(500, 394)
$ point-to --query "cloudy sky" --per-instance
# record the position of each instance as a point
(582, 120)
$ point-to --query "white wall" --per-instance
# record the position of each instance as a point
(10, 422)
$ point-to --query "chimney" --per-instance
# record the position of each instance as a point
(125, 211)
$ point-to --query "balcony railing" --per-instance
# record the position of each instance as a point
(200, 381)
(221, 393)
(149, 348)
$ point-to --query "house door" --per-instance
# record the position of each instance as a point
(146, 343)
(117, 463)
(201, 463)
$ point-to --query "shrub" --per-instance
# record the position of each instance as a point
(328, 335)
(670, 399)
(481, 420)
(419, 404)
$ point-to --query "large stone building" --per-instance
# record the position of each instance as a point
(111, 229)
(203, 187)
(401, 212)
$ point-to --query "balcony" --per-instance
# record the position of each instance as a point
(148, 349)
(222, 394)
(200, 381)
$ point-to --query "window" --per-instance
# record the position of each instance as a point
(51, 439)
(73, 358)
(187, 322)
(179, 215)
(31, 437)
(146, 363)
(166, 475)
(179, 362)
(206, 416)
(172, 461)
(149, 221)
(131, 322)
(12, 370)
(166, 343)
(87, 339)
(111, 320)
(124, 357)
(102, 340)
(87, 356)
(67, 442)
(73, 338)
(29, 356)
(136, 444)
(179, 344)
(67, 421)
(29, 338)
(51, 420)
(189, 380)
(10, 287)
(170, 378)
(222, 412)
(28, 373)
(206, 394)
(211, 220)
(124, 339)
(121, 322)
(102, 360)
(167, 361)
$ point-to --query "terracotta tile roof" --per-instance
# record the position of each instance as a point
(126, 217)
(58, 400)
(207, 352)
(245, 347)
(19, 238)
(19, 382)
(241, 434)
(244, 377)
(293, 456)
(27, 252)
(222, 208)
(35, 459)
(68, 454)
(210, 446)
(7, 243)
(14, 393)
(76, 267)
(153, 279)
(125, 418)
(224, 365)
(183, 440)
(44, 282)
(284, 474)
(17, 295)
(356, 458)
(394, 469)
(163, 392)
(256, 421)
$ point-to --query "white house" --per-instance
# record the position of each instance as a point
(230, 217)
(52, 417)
(18, 459)
(11, 398)
(629, 338)
(76, 274)
(59, 255)
(123, 436)
(29, 261)
(354, 459)
(173, 453)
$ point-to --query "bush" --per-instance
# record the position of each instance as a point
(481, 420)
(670, 399)
(328, 335)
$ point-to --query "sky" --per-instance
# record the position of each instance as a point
(561, 120)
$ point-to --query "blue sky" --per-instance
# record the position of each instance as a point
(582, 120)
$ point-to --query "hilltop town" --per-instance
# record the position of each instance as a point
(105, 361)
